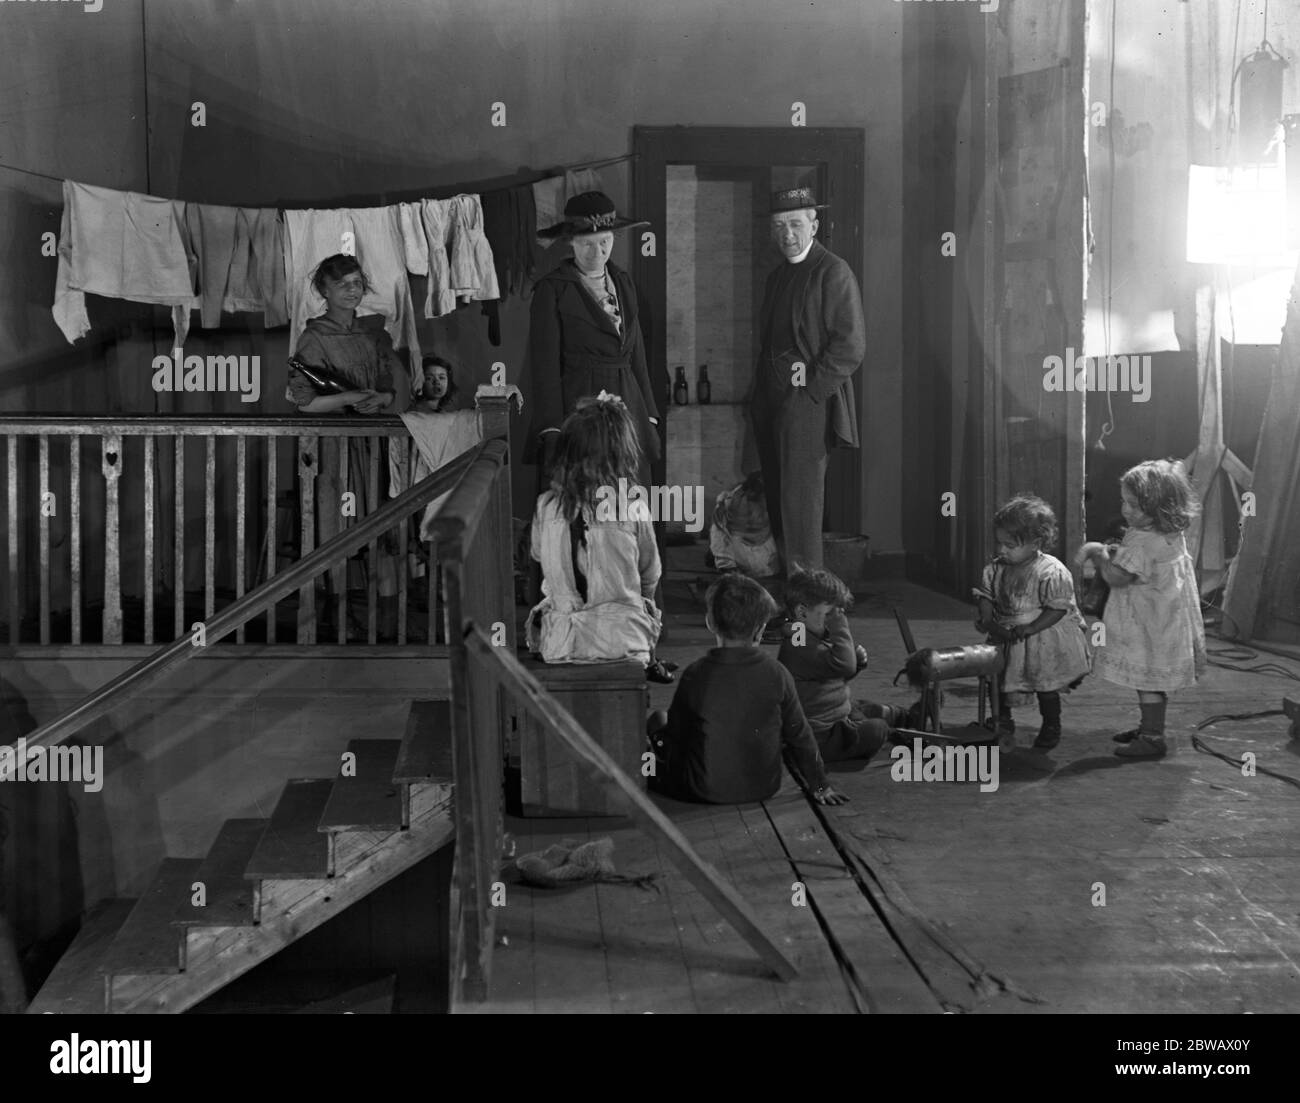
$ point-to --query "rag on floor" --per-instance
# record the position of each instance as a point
(568, 863)
(376, 234)
(122, 245)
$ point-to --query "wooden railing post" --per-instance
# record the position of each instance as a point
(308, 463)
(112, 468)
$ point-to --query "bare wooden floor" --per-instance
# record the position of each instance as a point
(930, 896)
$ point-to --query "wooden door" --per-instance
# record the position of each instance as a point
(757, 154)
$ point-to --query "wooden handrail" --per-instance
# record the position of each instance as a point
(560, 722)
(110, 695)
(200, 425)
(458, 520)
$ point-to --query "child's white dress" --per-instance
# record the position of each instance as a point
(620, 563)
(1155, 638)
(1050, 660)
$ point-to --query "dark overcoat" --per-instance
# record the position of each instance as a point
(575, 350)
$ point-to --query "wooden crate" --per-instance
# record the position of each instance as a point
(610, 701)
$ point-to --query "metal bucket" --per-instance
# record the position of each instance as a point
(846, 554)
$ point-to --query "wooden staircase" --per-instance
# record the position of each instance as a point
(264, 883)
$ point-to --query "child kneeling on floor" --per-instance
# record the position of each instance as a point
(734, 709)
(819, 652)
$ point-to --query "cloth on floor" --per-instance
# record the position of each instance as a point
(510, 223)
(551, 194)
(312, 235)
(440, 298)
(122, 245)
(255, 281)
(436, 439)
(568, 863)
(473, 270)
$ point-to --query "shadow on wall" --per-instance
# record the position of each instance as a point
(62, 844)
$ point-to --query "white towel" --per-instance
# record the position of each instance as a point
(122, 245)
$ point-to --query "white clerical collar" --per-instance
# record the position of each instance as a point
(804, 255)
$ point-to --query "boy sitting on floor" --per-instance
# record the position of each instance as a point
(721, 741)
(818, 651)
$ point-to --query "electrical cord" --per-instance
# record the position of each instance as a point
(1235, 763)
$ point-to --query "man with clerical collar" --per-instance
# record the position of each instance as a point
(813, 340)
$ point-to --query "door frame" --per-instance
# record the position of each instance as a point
(840, 154)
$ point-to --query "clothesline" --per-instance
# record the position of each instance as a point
(602, 163)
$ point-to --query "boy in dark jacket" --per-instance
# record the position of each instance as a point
(733, 711)
(818, 650)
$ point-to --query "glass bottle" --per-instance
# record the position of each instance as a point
(703, 392)
(681, 391)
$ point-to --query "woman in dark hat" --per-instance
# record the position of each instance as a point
(584, 334)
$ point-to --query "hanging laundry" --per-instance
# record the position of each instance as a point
(417, 245)
(437, 215)
(256, 278)
(212, 236)
(376, 233)
(551, 194)
(510, 223)
(122, 245)
(473, 270)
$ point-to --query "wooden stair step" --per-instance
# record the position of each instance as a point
(76, 987)
(147, 942)
(292, 846)
(425, 754)
(229, 898)
(369, 800)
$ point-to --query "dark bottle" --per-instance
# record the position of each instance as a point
(703, 392)
(681, 392)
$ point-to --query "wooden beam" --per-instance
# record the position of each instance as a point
(702, 875)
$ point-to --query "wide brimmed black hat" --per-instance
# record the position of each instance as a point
(795, 199)
(589, 213)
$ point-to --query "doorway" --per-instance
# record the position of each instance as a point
(709, 190)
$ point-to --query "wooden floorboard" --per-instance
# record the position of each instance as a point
(644, 955)
(1200, 864)
(569, 967)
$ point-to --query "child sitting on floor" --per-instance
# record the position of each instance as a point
(720, 742)
(819, 652)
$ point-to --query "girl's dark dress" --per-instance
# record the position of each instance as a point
(577, 350)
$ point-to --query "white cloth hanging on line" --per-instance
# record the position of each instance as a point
(375, 233)
(122, 245)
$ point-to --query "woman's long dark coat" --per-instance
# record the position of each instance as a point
(577, 351)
